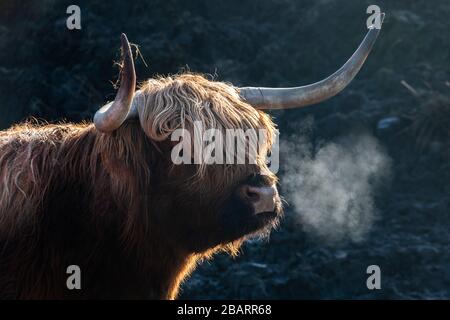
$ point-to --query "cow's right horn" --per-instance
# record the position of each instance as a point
(286, 98)
(111, 116)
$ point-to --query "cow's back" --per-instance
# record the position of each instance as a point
(28, 160)
(30, 169)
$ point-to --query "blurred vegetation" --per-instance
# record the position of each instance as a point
(430, 118)
(50, 72)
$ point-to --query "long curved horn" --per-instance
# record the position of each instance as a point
(286, 98)
(111, 116)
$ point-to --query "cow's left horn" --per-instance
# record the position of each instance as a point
(286, 98)
(111, 116)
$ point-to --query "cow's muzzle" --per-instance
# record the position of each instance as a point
(261, 198)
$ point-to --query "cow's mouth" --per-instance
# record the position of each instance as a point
(254, 209)
(240, 219)
(267, 218)
(264, 220)
(267, 215)
(259, 196)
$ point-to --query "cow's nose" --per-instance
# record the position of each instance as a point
(261, 198)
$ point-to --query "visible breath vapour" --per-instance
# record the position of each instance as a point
(331, 187)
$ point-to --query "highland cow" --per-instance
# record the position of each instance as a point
(105, 196)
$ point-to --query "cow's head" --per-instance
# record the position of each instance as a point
(212, 204)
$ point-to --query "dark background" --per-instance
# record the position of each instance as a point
(52, 73)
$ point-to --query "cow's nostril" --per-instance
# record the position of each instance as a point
(251, 194)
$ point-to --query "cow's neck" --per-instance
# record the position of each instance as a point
(156, 262)
(166, 268)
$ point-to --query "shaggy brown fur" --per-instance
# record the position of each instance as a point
(115, 205)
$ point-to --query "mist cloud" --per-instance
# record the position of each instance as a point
(331, 186)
